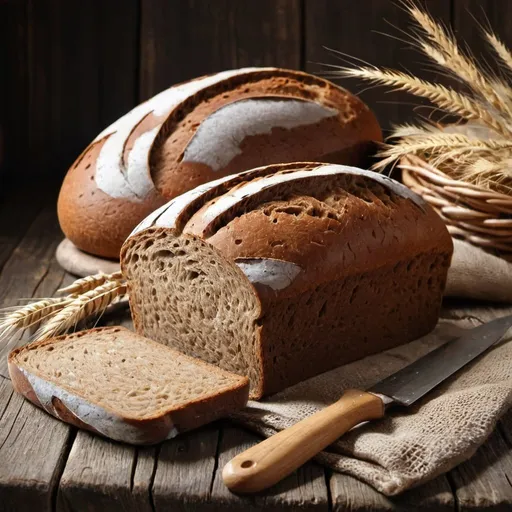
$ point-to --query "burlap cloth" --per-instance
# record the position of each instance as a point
(413, 445)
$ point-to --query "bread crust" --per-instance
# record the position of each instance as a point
(94, 221)
(140, 162)
(323, 246)
(61, 402)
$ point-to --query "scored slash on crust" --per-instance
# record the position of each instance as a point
(132, 181)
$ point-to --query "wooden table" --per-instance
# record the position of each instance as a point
(46, 465)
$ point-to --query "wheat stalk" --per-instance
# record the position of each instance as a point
(447, 54)
(489, 173)
(439, 147)
(501, 50)
(31, 315)
(413, 130)
(90, 282)
(482, 155)
(446, 99)
(439, 141)
(91, 302)
(86, 296)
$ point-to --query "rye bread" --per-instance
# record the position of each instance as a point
(199, 131)
(116, 383)
(286, 271)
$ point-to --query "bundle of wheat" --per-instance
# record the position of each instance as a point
(464, 169)
(47, 317)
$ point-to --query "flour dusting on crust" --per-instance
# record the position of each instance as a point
(277, 274)
(131, 180)
(218, 138)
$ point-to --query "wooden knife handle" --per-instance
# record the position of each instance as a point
(270, 461)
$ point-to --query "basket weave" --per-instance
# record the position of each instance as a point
(480, 216)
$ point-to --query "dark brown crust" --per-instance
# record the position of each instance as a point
(351, 246)
(92, 220)
(99, 224)
(152, 429)
(354, 124)
(196, 203)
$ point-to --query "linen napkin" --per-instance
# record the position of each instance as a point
(410, 445)
(478, 275)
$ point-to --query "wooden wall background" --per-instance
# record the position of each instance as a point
(70, 67)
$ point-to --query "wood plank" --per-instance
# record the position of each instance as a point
(353, 28)
(484, 482)
(351, 495)
(119, 63)
(13, 112)
(17, 212)
(29, 264)
(143, 476)
(184, 39)
(33, 445)
(81, 74)
(305, 489)
(185, 469)
(63, 89)
(99, 476)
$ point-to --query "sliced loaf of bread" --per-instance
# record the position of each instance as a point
(286, 271)
(123, 386)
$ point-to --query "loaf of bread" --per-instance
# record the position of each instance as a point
(123, 386)
(286, 271)
(202, 130)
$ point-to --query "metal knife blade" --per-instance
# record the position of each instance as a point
(415, 380)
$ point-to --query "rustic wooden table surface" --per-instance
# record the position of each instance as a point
(46, 465)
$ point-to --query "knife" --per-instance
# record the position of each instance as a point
(270, 461)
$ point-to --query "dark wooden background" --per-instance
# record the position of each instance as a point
(70, 67)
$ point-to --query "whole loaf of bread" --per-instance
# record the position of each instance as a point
(286, 271)
(199, 131)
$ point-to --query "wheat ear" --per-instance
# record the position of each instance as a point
(413, 130)
(446, 99)
(438, 146)
(447, 54)
(91, 302)
(501, 50)
(31, 315)
(486, 172)
(441, 140)
(90, 282)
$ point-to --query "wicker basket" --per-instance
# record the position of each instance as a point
(479, 216)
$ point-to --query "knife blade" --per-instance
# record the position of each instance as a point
(268, 462)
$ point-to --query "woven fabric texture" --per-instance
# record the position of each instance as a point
(410, 445)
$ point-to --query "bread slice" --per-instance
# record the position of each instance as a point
(124, 386)
(286, 271)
